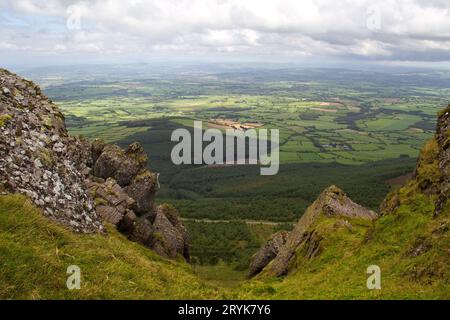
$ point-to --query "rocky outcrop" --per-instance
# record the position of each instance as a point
(126, 199)
(172, 238)
(143, 188)
(35, 159)
(443, 140)
(122, 165)
(333, 202)
(111, 201)
(77, 182)
(166, 235)
(431, 179)
(267, 253)
(432, 174)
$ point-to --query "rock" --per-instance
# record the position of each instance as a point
(267, 253)
(170, 236)
(109, 214)
(79, 151)
(333, 202)
(142, 232)
(443, 140)
(97, 147)
(78, 183)
(28, 154)
(143, 189)
(110, 194)
(121, 165)
(127, 224)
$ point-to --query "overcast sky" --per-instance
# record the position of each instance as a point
(43, 32)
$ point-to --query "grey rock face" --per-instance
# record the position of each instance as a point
(267, 253)
(142, 189)
(77, 182)
(111, 202)
(121, 165)
(34, 158)
(170, 235)
(333, 202)
(142, 232)
(443, 140)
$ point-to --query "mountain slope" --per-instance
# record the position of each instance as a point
(35, 254)
(78, 183)
(410, 242)
(326, 256)
(332, 203)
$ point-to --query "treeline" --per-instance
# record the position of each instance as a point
(241, 193)
(233, 242)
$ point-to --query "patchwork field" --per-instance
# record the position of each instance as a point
(359, 130)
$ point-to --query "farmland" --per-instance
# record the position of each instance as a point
(356, 129)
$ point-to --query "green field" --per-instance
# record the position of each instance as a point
(355, 129)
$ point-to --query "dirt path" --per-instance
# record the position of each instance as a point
(251, 222)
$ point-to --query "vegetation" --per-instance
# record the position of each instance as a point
(410, 247)
(36, 254)
(340, 271)
(408, 242)
(355, 129)
(229, 243)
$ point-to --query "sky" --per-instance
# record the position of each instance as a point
(391, 32)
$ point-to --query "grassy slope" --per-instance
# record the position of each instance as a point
(35, 254)
(340, 271)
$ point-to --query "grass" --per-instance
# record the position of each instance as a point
(408, 242)
(340, 271)
(221, 275)
(378, 119)
(35, 254)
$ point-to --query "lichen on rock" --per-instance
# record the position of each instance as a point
(77, 182)
(34, 163)
(267, 252)
(332, 203)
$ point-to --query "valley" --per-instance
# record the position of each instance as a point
(355, 129)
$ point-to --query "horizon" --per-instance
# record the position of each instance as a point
(254, 150)
(388, 33)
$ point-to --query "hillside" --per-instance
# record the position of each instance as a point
(35, 254)
(327, 254)
(68, 201)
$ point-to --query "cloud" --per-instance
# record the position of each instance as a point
(360, 29)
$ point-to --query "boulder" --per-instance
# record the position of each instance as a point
(142, 189)
(97, 147)
(267, 253)
(121, 165)
(127, 224)
(142, 232)
(170, 236)
(333, 202)
(109, 214)
(35, 156)
(111, 202)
